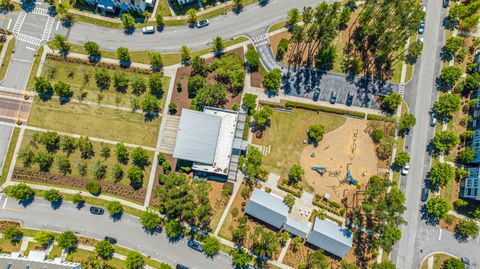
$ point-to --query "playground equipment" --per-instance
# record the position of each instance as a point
(350, 179)
(322, 171)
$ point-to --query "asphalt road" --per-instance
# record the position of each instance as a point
(5, 133)
(128, 231)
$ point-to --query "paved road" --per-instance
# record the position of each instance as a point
(128, 231)
(5, 132)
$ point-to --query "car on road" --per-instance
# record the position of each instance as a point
(3, 38)
(97, 210)
(405, 169)
(333, 98)
(424, 9)
(203, 23)
(316, 94)
(424, 197)
(466, 262)
(112, 240)
(420, 40)
(179, 266)
(433, 119)
(349, 101)
(421, 29)
(446, 3)
(148, 30)
(195, 245)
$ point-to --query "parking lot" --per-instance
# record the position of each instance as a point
(304, 83)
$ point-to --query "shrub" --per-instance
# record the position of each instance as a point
(282, 48)
(93, 187)
(377, 135)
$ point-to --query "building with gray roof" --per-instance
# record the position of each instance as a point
(35, 260)
(296, 228)
(331, 237)
(267, 208)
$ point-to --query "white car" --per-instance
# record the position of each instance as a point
(148, 30)
(405, 169)
(421, 40)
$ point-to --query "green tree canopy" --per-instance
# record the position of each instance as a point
(392, 101)
(211, 245)
(173, 229)
(52, 195)
(123, 55)
(134, 260)
(156, 61)
(92, 48)
(114, 208)
(296, 174)
(104, 249)
(42, 86)
(128, 21)
(315, 132)
(437, 208)
(150, 104)
(273, 80)
(441, 174)
(451, 74)
(407, 121)
(466, 155)
(249, 102)
(447, 104)
(67, 241)
(149, 220)
(12, 234)
(122, 153)
(21, 192)
(445, 141)
(155, 84)
(140, 157)
(135, 175)
(253, 59)
(467, 228)
(402, 159)
(453, 263)
(262, 117)
(44, 238)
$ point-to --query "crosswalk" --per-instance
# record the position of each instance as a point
(29, 39)
(40, 11)
(19, 22)
(260, 40)
(48, 28)
(401, 89)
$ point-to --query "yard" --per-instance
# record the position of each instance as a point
(6, 60)
(82, 77)
(94, 121)
(8, 247)
(438, 261)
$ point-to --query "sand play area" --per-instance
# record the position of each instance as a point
(348, 145)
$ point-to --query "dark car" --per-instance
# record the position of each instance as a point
(349, 99)
(333, 98)
(112, 240)
(424, 193)
(203, 23)
(316, 94)
(446, 3)
(421, 29)
(466, 262)
(195, 245)
(3, 38)
(97, 210)
(179, 266)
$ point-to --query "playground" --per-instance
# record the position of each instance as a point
(343, 159)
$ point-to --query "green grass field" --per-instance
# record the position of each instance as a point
(76, 75)
(94, 121)
(6, 60)
(286, 134)
(33, 72)
(9, 157)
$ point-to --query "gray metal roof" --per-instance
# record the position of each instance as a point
(331, 237)
(11, 261)
(296, 228)
(267, 208)
(197, 136)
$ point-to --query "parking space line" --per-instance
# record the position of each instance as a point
(30, 48)
(5, 203)
(440, 234)
(58, 24)
(9, 22)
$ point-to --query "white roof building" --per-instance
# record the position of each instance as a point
(267, 208)
(34, 260)
(331, 237)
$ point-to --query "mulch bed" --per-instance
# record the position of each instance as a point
(107, 187)
(256, 79)
(4, 224)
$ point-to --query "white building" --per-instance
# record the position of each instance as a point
(34, 260)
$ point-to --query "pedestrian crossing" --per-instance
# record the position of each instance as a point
(19, 22)
(29, 39)
(401, 89)
(40, 11)
(48, 28)
(260, 40)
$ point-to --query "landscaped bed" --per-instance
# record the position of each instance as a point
(94, 121)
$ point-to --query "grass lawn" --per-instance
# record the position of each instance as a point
(6, 60)
(286, 134)
(75, 158)
(10, 151)
(56, 252)
(32, 245)
(75, 75)
(7, 247)
(277, 26)
(438, 260)
(400, 145)
(80, 255)
(89, 120)
(163, 7)
(33, 72)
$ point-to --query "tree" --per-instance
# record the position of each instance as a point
(453, 263)
(349, 266)
(282, 48)
(67, 240)
(407, 121)
(315, 132)
(104, 249)
(93, 187)
(253, 59)
(192, 16)
(44, 238)
(391, 235)
(392, 101)
(134, 260)
(44, 160)
(402, 159)
(62, 89)
(210, 95)
(384, 265)
(123, 55)
(172, 108)
(173, 229)
(50, 140)
(68, 145)
(296, 174)
(114, 208)
(273, 80)
(441, 174)
(122, 153)
(466, 155)
(452, 45)
(150, 105)
(445, 141)
(159, 19)
(293, 16)
(156, 61)
(138, 85)
(262, 117)
(140, 157)
(414, 50)
(295, 244)
(377, 135)
(251, 165)
(155, 84)
(117, 172)
(99, 170)
(92, 49)
(450, 75)
(289, 200)
(447, 104)
(199, 66)
(52, 195)
(150, 220)
(60, 42)
(78, 199)
(102, 79)
(135, 175)
(249, 101)
(85, 147)
(317, 260)
(128, 21)
(437, 208)
(12, 234)
(185, 54)
(240, 258)
(42, 86)
(134, 103)
(82, 168)
(467, 228)
(472, 81)
(218, 45)
(211, 245)
(195, 83)
(27, 156)
(105, 151)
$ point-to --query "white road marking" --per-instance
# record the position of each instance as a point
(30, 48)
(9, 22)
(40, 11)
(48, 28)
(58, 24)
(21, 60)
(29, 39)
(19, 22)
(440, 234)
(5, 203)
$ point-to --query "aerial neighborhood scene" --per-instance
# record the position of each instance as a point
(201, 134)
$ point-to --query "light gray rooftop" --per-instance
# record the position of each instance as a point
(197, 136)
(269, 201)
(333, 231)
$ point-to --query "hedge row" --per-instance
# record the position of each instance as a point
(380, 118)
(60, 58)
(325, 109)
(285, 188)
(271, 104)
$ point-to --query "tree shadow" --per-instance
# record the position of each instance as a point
(428, 218)
(237, 10)
(116, 217)
(28, 6)
(129, 31)
(176, 239)
(94, 58)
(26, 202)
(150, 116)
(125, 64)
(80, 205)
(45, 96)
(56, 205)
(262, 3)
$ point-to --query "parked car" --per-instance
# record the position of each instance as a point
(195, 245)
(179, 266)
(110, 239)
(421, 29)
(405, 169)
(203, 23)
(446, 3)
(466, 262)
(424, 9)
(349, 99)
(433, 119)
(148, 30)
(316, 94)
(97, 210)
(333, 98)
(3, 38)
(424, 197)
(420, 39)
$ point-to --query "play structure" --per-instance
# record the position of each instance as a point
(322, 171)
(350, 179)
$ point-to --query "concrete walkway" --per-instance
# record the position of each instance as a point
(284, 251)
(236, 188)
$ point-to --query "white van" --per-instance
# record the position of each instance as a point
(148, 30)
